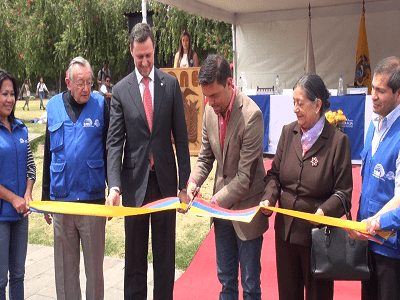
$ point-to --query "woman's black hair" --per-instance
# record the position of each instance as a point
(6, 75)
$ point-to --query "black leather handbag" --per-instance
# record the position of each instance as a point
(335, 256)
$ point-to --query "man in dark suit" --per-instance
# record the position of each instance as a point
(146, 106)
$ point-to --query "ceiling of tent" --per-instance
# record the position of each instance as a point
(248, 11)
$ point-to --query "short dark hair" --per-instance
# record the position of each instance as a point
(6, 75)
(390, 66)
(314, 89)
(214, 67)
(140, 33)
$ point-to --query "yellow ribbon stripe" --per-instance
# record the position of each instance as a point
(199, 208)
(73, 208)
(342, 223)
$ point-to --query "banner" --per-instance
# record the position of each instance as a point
(193, 103)
(363, 67)
(263, 102)
(353, 107)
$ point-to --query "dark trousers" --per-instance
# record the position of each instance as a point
(384, 283)
(293, 268)
(163, 246)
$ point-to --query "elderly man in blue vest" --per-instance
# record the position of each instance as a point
(381, 181)
(74, 171)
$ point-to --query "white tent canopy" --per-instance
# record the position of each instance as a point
(270, 35)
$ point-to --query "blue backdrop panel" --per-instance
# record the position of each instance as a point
(263, 102)
(353, 106)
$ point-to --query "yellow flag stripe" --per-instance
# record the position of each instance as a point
(342, 223)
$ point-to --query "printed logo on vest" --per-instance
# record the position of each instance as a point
(97, 123)
(379, 172)
(88, 122)
(22, 141)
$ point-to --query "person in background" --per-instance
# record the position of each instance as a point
(233, 133)
(40, 88)
(17, 176)
(380, 171)
(185, 57)
(312, 162)
(106, 89)
(146, 107)
(103, 72)
(74, 171)
(25, 93)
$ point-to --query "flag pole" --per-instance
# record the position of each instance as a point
(309, 60)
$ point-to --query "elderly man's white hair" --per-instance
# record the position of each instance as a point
(78, 60)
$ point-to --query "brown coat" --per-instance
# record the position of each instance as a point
(239, 177)
(297, 185)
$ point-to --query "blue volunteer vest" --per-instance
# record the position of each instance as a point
(378, 184)
(13, 157)
(77, 170)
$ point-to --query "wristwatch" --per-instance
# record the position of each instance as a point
(183, 190)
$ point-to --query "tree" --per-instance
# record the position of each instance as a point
(208, 36)
(41, 36)
(10, 58)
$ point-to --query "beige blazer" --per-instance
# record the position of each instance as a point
(239, 177)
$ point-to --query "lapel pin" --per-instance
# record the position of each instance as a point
(162, 83)
(314, 161)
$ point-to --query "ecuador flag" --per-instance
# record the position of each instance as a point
(363, 67)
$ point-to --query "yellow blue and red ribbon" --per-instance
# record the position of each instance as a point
(200, 208)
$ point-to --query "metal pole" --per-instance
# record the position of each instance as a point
(144, 11)
(234, 53)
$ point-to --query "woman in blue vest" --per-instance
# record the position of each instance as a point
(17, 176)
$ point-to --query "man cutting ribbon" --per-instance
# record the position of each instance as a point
(233, 134)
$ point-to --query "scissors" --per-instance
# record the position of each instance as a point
(196, 191)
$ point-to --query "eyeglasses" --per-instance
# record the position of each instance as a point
(107, 80)
(81, 84)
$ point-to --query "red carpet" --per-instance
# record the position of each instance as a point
(200, 282)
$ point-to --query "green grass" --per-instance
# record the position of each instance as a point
(190, 230)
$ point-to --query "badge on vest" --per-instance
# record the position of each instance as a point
(379, 172)
(89, 123)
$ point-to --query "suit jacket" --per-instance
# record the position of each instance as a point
(129, 134)
(240, 170)
(308, 183)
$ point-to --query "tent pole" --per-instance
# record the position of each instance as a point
(144, 11)
(234, 54)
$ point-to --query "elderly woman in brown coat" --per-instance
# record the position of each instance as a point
(312, 161)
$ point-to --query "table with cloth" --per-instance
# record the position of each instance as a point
(278, 111)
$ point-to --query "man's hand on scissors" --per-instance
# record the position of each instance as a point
(191, 188)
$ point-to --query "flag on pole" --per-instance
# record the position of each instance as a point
(363, 67)
(309, 61)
